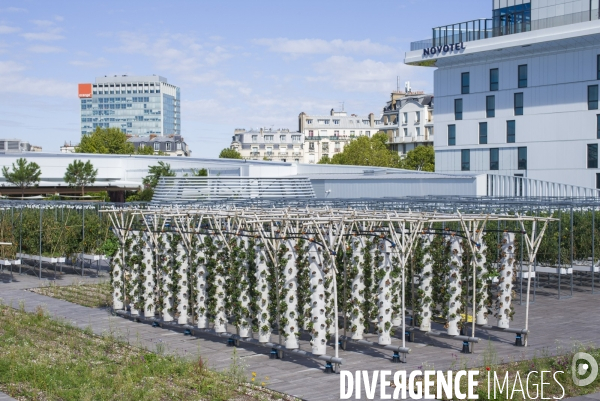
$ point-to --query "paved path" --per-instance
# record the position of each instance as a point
(556, 325)
(4, 397)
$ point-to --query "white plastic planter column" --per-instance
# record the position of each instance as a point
(505, 284)
(291, 284)
(165, 269)
(357, 319)
(221, 315)
(202, 320)
(482, 291)
(317, 298)
(262, 271)
(454, 286)
(245, 325)
(117, 277)
(384, 297)
(134, 273)
(182, 296)
(425, 283)
(149, 261)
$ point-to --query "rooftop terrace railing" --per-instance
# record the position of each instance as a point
(487, 28)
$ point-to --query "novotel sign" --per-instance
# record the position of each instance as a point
(443, 49)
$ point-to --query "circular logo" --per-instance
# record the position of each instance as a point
(581, 369)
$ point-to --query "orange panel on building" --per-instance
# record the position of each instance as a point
(85, 90)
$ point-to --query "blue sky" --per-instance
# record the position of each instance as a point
(239, 64)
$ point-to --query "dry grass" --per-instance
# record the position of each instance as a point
(90, 295)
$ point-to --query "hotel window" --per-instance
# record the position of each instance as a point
(309, 121)
(268, 138)
(598, 67)
(168, 146)
(510, 131)
(465, 160)
(458, 109)
(281, 138)
(592, 156)
(404, 118)
(465, 82)
(598, 126)
(490, 106)
(157, 146)
(418, 131)
(494, 79)
(336, 122)
(593, 97)
(368, 134)
(405, 131)
(483, 133)
(311, 133)
(451, 135)
(519, 104)
(494, 159)
(254, 138)
(296, 138)
(523, 76)
(418, 117)
(336, 133)
(522, 158)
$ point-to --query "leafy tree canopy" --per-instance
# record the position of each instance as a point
(106, 141)
(80, 174)
(23, 174)
(365, 151)
(421, 158)
(156, 172)
(200, 173)
(230, 154)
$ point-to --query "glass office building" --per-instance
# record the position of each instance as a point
(138, 105)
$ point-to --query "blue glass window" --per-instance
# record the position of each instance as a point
(494, 159)
(490, 106)
(451, 135)
(494, 79)
(465, 160)
(510, 131)
(522, 158)
(592, 156)
(465, 83)
(458, 109)
(523, 76)
(483, 127)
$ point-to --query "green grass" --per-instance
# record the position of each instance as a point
(46, 359)
(90, 295)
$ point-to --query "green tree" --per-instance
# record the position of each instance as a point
(156, 172)
(325, 160)
(145, 150)
(365, 151)
(200, 173)
(80, 174)
(421, 158)
(106, 141)
(230, 154)
(23, 175)
(151, 181)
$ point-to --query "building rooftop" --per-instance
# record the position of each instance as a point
(130, 78)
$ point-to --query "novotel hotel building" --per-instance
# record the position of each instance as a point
(517, 94)
(138, 105)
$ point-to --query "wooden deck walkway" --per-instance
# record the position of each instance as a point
(556, 326)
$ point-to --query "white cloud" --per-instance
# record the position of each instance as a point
(12, 81)
(320, 46)
(10, 67)
(13, 10)
(50, 35)
(42, 23)
(45, 49)
(99, 62)
(8, 29)
(347, 74)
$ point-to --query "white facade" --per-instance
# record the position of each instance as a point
(557, 134)
(408, 121)
(268, 144)
(327, 135)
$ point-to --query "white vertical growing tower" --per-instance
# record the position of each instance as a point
(425, 283)
(505, 281)
(454, 280)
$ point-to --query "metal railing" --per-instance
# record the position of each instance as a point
(484, 28)
(511, 186)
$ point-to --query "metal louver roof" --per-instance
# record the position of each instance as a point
(194, 189)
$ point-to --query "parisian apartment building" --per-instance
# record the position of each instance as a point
(269, 144)
(518, 96)
(408, 120)
(138, 105)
